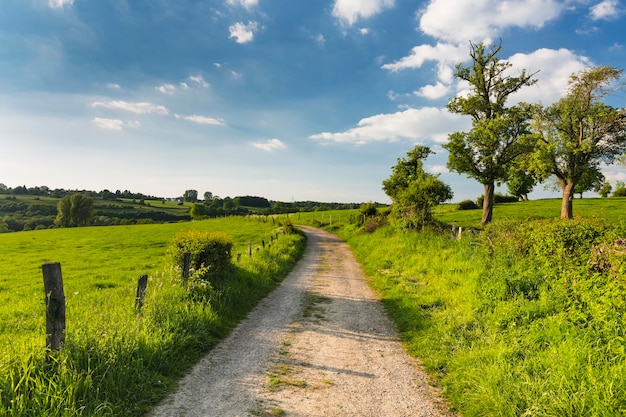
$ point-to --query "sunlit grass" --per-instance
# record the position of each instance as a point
(116, 361)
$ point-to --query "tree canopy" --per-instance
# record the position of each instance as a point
(413, 191)
(499, 134)
(578, 132)
(74, 210)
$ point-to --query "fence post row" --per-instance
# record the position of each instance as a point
(55, 305)
(142, 284)
(186, 265)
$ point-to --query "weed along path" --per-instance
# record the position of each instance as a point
(319, 345)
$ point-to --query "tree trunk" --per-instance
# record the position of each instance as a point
(567, 202)
(488, 203)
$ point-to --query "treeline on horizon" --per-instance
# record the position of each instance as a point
(25, 208)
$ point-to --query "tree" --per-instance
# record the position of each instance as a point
(591, 180)
(499, 133)
(578, 132)
(605, 190)
(208, 196)
(74, 210)
(520, 183)
(190, 196)
(413, 191)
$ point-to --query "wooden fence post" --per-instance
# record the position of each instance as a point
(249, 248)
(55, 305)
(186, 266)
(142, 284)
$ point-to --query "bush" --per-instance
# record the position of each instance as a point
(498, 198)
(210, 252)
(467, 205)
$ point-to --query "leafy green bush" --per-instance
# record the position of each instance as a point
(210, 252)
(467, 205)
(498, 198)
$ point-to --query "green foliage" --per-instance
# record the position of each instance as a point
(498, 199)
(467, 205)
(605, 189)
(620, 189)
(210, 252)
(499, 134)
(116, 362)
(74, 210)
(578, 132)
(525, 320)
(414, 192)
(368, 209)
(520, 183)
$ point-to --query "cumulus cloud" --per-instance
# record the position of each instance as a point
(605, 10)
(350, 11)
(419, 125)
(436, 91)
(59, 4)
(166, 88)
(270, 145)
(555, 67)
(138, 108)
(459, 21)
(203, 120)
(199, 80)
(109, 124)
(248, 4)
(243, 33)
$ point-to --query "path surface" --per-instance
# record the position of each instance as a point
(319, 345)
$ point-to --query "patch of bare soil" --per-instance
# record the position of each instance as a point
(320, 345)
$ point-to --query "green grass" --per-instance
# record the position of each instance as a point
(523, 320)
(115, 361)
(606, 208)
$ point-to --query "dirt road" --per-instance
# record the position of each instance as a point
(320, 345)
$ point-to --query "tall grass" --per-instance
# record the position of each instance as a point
(116, 361)
(526, 320)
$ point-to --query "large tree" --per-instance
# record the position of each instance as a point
(578, 132)
(413, 191)
(498, 132)
(74, 210)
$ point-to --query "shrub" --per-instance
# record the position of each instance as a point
(210, 252)
(468, 205)
(498, 198)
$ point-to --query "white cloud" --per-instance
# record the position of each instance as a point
(364, 31)
(438, 169)
(203, 120)
(248, 4)
(133, 124)
(59, 4)
(349, 11)
(270, 145)
(555, 67)
(114, 86)
(433, 91)
(109, 124)
(428, 123)
(138, 108)
(166, 88)
(243, 33)
(198, 79)
(462, 21)
(605, 10)
(320, 39)
(446, 55)
(184, 86)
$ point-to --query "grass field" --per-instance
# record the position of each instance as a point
(115, 361)
(523, 319)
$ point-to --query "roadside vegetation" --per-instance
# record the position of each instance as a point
(521, 317)
(117, 360)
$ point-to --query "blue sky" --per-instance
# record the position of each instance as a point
(289, 100)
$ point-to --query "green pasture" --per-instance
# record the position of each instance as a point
(117, 361)
(612, 209)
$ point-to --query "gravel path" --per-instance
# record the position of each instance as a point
(319, 345)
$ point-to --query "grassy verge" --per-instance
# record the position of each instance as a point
(526, 319)
(116, 361)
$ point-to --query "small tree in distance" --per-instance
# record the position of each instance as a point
(74, 210)
(413, 191)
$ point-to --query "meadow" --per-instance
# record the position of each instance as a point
(116, 360)
(524, 317)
